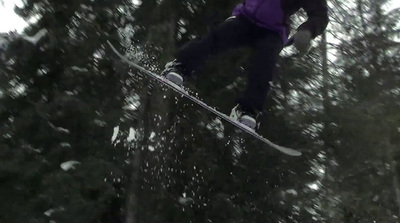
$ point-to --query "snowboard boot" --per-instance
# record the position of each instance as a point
(172, 72)
(246, 118)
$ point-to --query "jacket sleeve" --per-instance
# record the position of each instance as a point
(317, 13)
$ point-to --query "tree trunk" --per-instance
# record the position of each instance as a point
(136, 160)
(132, 201)
(396, 186)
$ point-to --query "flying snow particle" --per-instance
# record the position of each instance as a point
(151, 148)
(49, 212)
(65, 145)
(36, 38)
(115, 134)
(69, 165)
(292, 192)
(132, 135)
(185, 200)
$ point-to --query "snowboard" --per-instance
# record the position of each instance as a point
(162, 80)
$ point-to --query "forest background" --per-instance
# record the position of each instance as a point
(85, 138)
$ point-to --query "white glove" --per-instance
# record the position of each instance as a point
(302, 41)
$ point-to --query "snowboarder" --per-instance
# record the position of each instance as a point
(262, 25)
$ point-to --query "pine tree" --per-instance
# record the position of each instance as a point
(361, 150)
(60, 97)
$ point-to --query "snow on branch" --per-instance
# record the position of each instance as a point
(36, 38)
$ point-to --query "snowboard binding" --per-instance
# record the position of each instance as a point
(244, 118)
(172, 73)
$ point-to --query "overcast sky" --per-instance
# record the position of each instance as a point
(10, 21)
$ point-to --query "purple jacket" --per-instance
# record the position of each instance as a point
(275, 14)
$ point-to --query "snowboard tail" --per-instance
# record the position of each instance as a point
(180, 90)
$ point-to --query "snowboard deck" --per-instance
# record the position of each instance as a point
(180, 90)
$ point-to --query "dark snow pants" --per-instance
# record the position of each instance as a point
(233, 33)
